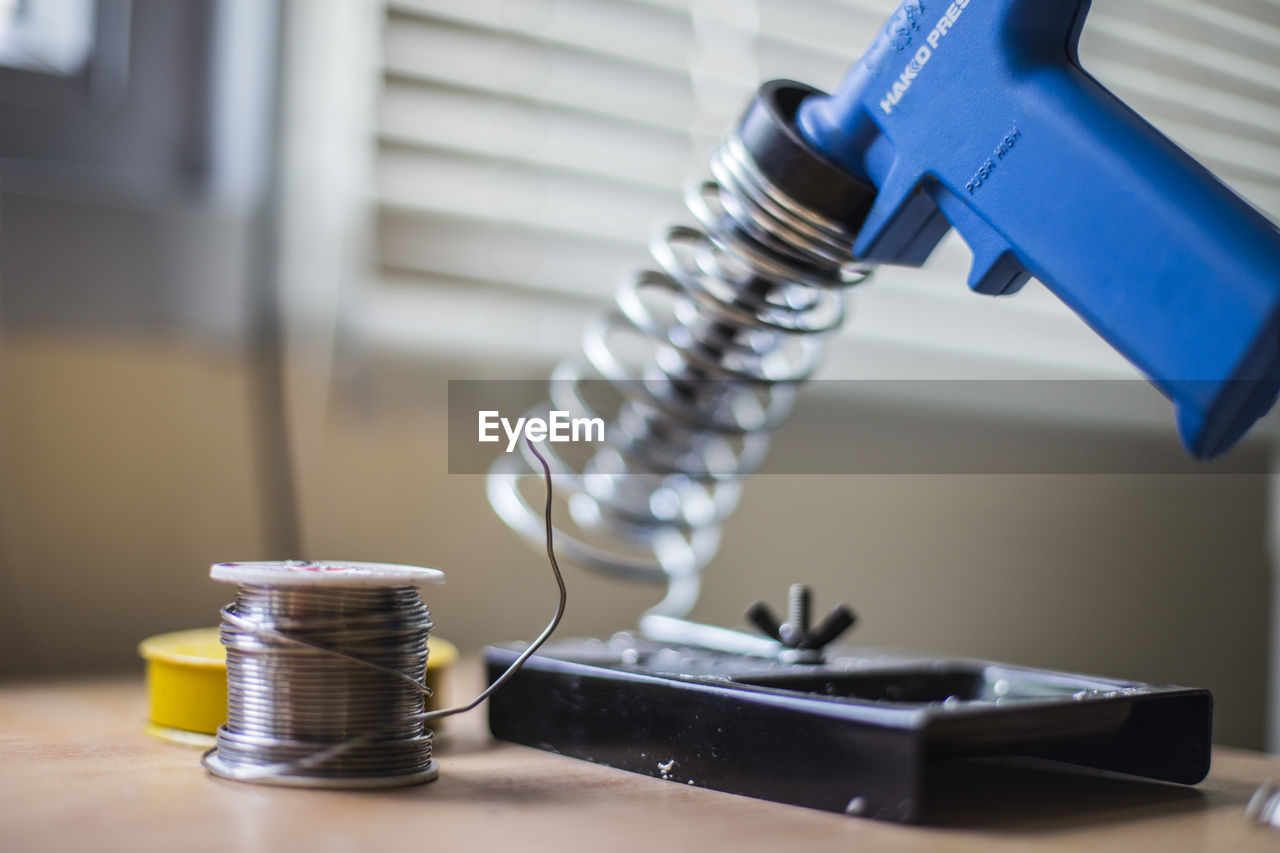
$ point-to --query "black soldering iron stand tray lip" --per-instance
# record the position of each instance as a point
(861, 733)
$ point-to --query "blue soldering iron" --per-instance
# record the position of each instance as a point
(976, 115)
(973, 115)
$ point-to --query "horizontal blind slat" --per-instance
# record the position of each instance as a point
(1164, 56)
(517, 67)
(494, 252)
(645, 35)
(505, 129)
(518, 195)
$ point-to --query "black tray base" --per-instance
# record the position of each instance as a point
(864, 733)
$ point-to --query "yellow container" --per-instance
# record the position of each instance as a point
(187, 685)
(187, 682)
(441, 655)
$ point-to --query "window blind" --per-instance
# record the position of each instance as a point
(526, 149)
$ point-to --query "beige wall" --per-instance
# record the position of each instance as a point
(127, 467)
(124, 466)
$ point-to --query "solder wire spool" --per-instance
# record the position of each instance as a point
(325, 675)
(326, 671)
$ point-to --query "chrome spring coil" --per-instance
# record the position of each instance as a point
(311, 669)
(729, 321)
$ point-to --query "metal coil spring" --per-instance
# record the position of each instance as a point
(309, 669)
(730, 321)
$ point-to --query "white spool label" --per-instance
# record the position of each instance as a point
(326, 572)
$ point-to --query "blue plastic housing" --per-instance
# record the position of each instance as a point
(976, 114)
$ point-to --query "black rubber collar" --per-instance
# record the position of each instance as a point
(768, 131)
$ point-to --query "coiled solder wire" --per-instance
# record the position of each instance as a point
(287, 700)
(325, 684)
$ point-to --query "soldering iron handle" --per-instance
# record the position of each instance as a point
(976, 114)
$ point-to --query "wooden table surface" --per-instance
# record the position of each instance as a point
(78, 773)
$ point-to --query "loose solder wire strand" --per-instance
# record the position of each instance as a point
(282, 768)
